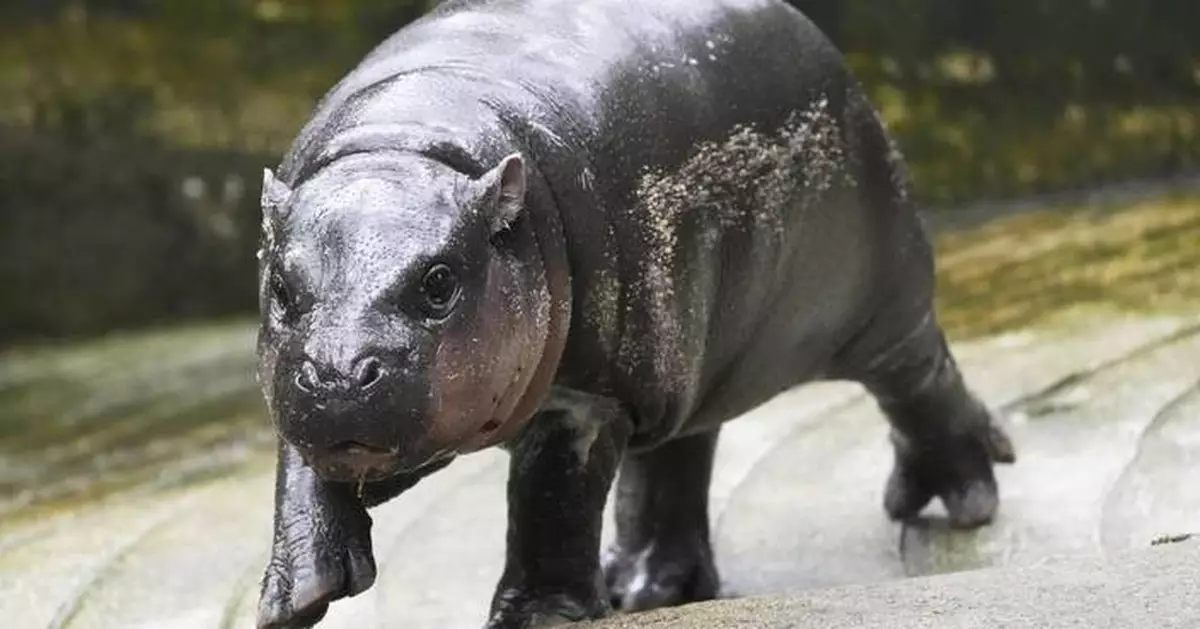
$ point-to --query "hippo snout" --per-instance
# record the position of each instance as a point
(366, 372)
(354, 416)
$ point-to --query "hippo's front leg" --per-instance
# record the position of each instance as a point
(559, 477)
(322, 546)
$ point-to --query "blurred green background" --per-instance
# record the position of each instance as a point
(133, 132)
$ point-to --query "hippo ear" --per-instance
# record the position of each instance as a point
(505, 193)
(274, 192)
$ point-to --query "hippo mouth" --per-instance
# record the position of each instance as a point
(353, 462)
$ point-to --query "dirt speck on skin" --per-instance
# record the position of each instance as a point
(544, 303)
(579, 421)
(899, 170)
(754, 179)
(600, 307)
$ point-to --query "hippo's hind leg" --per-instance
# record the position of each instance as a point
(945, 438)
(662, 555)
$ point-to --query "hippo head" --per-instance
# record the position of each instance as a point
(404, 309)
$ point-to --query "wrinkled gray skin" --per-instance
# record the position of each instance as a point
(589, 231)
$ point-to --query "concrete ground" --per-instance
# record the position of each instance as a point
(1150, 588)
(109, 521)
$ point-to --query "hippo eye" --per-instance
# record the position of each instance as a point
(440, 287)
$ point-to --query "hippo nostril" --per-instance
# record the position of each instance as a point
(368, 372)
(307, 378)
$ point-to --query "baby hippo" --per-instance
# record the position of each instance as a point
(589, 232)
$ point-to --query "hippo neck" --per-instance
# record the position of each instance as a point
(548, 230)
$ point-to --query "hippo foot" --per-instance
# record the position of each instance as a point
(303, 579)
(662, 575)
(958, 470)
(516, 610)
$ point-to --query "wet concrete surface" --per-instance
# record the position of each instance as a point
(137, 476)
(1149, 588)
(1106, 421)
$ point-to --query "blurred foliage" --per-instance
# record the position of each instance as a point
(1018, 271)
(1003, 97)
(132, 132)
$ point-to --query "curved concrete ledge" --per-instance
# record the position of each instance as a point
(1157, 588)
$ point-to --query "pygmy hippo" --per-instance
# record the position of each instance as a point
(589, 232)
